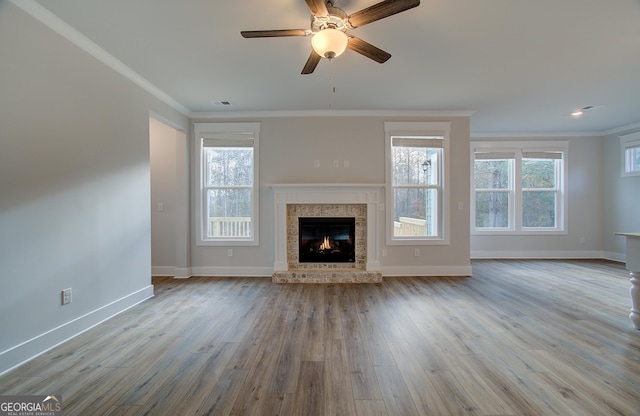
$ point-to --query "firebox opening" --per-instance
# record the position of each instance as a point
(327, 240)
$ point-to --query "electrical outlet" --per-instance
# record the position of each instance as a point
(230, 252)
(66, 296)
(416, 252)
(336, 163)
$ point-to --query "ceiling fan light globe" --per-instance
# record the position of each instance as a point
(329, 43)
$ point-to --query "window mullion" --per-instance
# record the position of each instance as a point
(516, 189)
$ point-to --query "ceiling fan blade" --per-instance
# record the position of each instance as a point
(318, 7)
(368, 50)
(311, 64)
(381, 10)
(273, 33)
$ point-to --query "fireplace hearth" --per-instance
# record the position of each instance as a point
(326, 239)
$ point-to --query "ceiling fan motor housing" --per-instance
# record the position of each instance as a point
(335, 19)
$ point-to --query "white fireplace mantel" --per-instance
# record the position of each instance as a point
(328, 193)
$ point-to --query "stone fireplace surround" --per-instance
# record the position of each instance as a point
(362, 201)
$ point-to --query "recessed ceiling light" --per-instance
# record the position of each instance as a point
(580, 112)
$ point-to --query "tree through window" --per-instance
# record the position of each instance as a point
(227, 201)
(519, 187)
(416, 157)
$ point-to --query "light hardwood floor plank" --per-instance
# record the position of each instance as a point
(518, 338)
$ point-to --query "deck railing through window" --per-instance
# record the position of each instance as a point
(229, 227)
(410, 227)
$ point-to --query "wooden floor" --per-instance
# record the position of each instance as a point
(518, 338)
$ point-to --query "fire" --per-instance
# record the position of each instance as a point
(325, 244)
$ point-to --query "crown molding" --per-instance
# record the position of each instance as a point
(634, 126)
(520, 135)
(499, 135)
(56, 24)
(329, 113)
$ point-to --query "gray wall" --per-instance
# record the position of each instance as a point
(585, 190)
(621, 197)
(74, 188)
(288, 148)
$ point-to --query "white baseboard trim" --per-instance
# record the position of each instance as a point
(537, 255)
(182, 272)
(26, 351)
(163, 271)
(177, 272)
(232, 271)
(426, 271)
(619, 257)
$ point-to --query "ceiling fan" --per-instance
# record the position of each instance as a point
(329, 26)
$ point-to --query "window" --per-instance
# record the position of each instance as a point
(518, 187)
(416, 176)
(630, 145)
(227, 169)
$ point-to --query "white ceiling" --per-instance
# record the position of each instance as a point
(520, 65)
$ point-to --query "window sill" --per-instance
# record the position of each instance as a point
(227, 243)
(519, 232)
(418, 242)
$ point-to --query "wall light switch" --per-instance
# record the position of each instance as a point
(460, 206)
(345, 164)
(416, 252)
(336, 163)
(230, 252)
(160, 206)
(316, 163)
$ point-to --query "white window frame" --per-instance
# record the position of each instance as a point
(417, 130)
(629, 144)
(518, 149)
(229, 131)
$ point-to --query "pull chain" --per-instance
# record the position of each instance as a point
(332, 83)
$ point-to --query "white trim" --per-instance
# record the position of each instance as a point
(426, 271)
(537, 254)
(534, 134)
(620, 129)
(422, 128)
(164, 120)
(515, 223)
(628, 141)
(183, 272)
(203, 129)
(56, 24)
(329, 113)
(323, 193)
(214, 271)
(30, 349)
(163, 271)
(619, 257)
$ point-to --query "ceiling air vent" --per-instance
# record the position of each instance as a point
(221, 103)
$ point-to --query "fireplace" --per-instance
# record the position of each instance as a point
(326, 239)
(360, 203)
